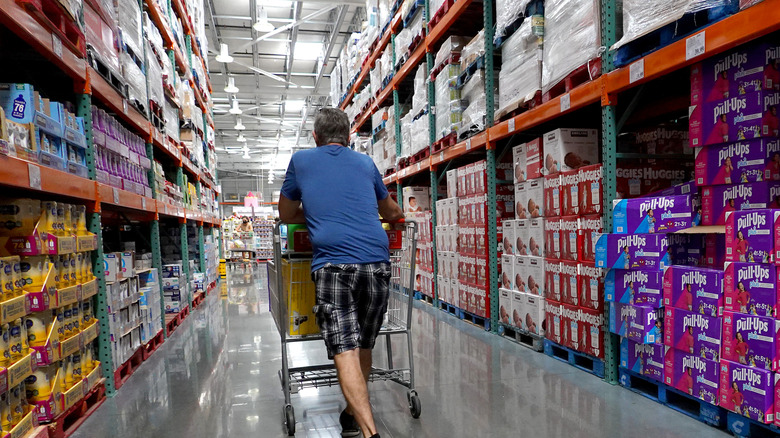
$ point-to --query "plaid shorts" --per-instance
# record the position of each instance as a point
(351, 304)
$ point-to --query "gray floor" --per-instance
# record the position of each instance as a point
(217, 377)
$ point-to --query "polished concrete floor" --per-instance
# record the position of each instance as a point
(217, 376)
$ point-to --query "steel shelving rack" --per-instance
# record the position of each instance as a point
(604, 91)
(101, 199)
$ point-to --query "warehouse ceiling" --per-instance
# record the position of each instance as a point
(282, 75)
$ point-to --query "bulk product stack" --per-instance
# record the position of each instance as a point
(417, 208)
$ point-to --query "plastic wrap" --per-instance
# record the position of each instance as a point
(171, 114)
(416, 25)
(508, 11)
(473, 50)
(384, 7)
(167, 73)
(135, 79)
(420, 96)
(521, 72)
(449, 109)
(101, 39)
(406, 135)
(571, 38)
(452, 46)
(130, 25)
(154, 81)
(475, 104)
(434, 6)
(641, 17)
(381, 115)
(153, 36)
(420, 133)
(375, 77)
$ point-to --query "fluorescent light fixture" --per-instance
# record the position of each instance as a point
(239, 126)
(224, 55)
(241, 138)
(294, 106)
(308, 51)
(246, 156)
(262, 24)
(234, 109)
(231, 86)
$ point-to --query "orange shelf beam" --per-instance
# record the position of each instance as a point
(30, 30)
(476, 142)
(126, 199)
(452, 16)
(16, 173)
(179, 9)
(732, 31)
(389, 179)
(170, 42)
(166, 209)
(109, 97)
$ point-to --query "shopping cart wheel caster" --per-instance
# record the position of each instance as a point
(289, 420)
(414, 404)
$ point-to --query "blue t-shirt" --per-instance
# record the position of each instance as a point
(339, 189)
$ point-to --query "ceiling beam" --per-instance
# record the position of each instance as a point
(281, 29)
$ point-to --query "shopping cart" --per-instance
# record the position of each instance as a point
(292, 296)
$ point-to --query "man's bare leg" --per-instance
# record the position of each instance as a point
(355, 390)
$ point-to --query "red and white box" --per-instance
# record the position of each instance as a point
(534, 154)
(504, 168)
(521, 237)
(556, 324)
(552, 195)
(570, 193)
(520, 159)
(588, 228)
(452, 183)
(481, 270)
(568, 282)
(568, 149)
(552, 238)
(505, 202)
(591, 332)
(480, 177)
(536, 239)
(568, 238)
(552, 279)
(480, 239)
(590, 189)
(521, 201)
(591, 286)
(535, 195)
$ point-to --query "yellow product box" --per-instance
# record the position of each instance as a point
(72, 396)
(21, 370)
(25, 427)
(13, 309)
(299, 296)
(92, 378)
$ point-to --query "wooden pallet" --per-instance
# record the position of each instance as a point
(468, 72)
(445, 142)
(523, 337)
(153, 344)
(519, 106)
(449, 308)
(582, 74)
(574, 358)
(479, 321)
(128, 368)
(113, 78)
(440, 13)
(672, 398)
(675, 31)
(52, 15)
(535, 7)
(417, 5)
(65, 424)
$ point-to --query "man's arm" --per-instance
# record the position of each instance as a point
(389, 209)
(290, 212)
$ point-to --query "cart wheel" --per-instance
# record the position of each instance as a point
(289, 420)
(414, 404)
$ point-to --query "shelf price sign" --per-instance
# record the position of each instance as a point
(636, 71)
(34, 173)
(695, 46)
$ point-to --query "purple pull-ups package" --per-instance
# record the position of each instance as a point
(639, 323)
(747, 391)
(737, 118)
(693, 333)
(719, 200)
(632, 251)
(643, 288)
(644, 359)
(750, 288)
(652, 215)
(741, 162)
(749, 340)
(750, 235)
(695, 289)
(691, 374)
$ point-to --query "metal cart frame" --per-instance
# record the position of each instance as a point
(398, 321)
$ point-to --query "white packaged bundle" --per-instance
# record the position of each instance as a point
(435, 5)
(402, 41)
(508, 11)
(449, 110)
(154, 80)
(641, 17)
(420, 135)
(420, 96)
(416, 25)
(128, 13)
(171, 114)
(375, 77)
(406, 135)
(521, 70)
(572, 38)
(452, 46)
(153, 35)
(473, 97)
(135, 78)
(473, 50)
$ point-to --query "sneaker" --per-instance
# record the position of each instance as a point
(349, 426)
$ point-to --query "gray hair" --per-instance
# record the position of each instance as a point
(331, 126)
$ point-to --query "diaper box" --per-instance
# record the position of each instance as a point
(750, 288)
(741, 117)
(641, 324)
(569, 149)
(534, 152)
(507, 271)
(534, 204)
(718, 200)
(686, 249)
(534, 319)
(750, 235)
(714, 251)
(693, 332)
(588, 227)
(569, 250)
(416, 199)
(644, 359)
(748, 391)
(520, 160)
(587, 331)
(521, 237)
(552, 279)
(521, 201)
(665, 214)
(534, 275)
(570, 191)
(643, 288)
(589, 189)
(556, 324)
(552, 238)
(632, 251)
(590, 281)
(692, 374)
(520, 273)
(504, 306)
(536, 237)
(636, 179)
(568, 283)
(749, 340)
(518, 309)
(744, 161)
(695, 289)
(552, 195)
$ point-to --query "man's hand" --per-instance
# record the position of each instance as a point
(290, 212)
(390, 210)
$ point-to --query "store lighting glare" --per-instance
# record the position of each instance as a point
(308, 51)
(241, 138)
(246, 156)
(224, 55)
(231, 86)
(239, 126)
(294, 106)
(262, 24)
(234, 109)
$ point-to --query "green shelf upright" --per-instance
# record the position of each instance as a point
(157, 264)
(488, 8)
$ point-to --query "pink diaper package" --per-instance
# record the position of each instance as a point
(643, 359)
(750, 235)
(694, 289)
(745, 117)
(740, 162)
(632, 251)
(750, 288)
(749, 340)
(693, 333)
(719, 200)
(692, 374)
(747, 391)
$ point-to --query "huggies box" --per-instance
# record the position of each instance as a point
(552, 280)
(589, 189)
(691, 374)
(568, 238)
(750, 288)
(591, 332)
(693, 333)
(590, 282)
(555, 323)
(743, 117)
(552, 238)
(534, 153)
(588, 227)
(552, 195)
(694, 289)
(750, 235)
(570, 192)
(665, 214)
(568, 283)
(634, 287)
(750, 340)
(718, 200)
(747, 391)
(632, 251)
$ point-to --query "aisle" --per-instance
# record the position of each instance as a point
(217, 377)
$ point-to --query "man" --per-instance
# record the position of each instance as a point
(343, 195)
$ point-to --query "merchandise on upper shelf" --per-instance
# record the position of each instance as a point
(120, 155)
